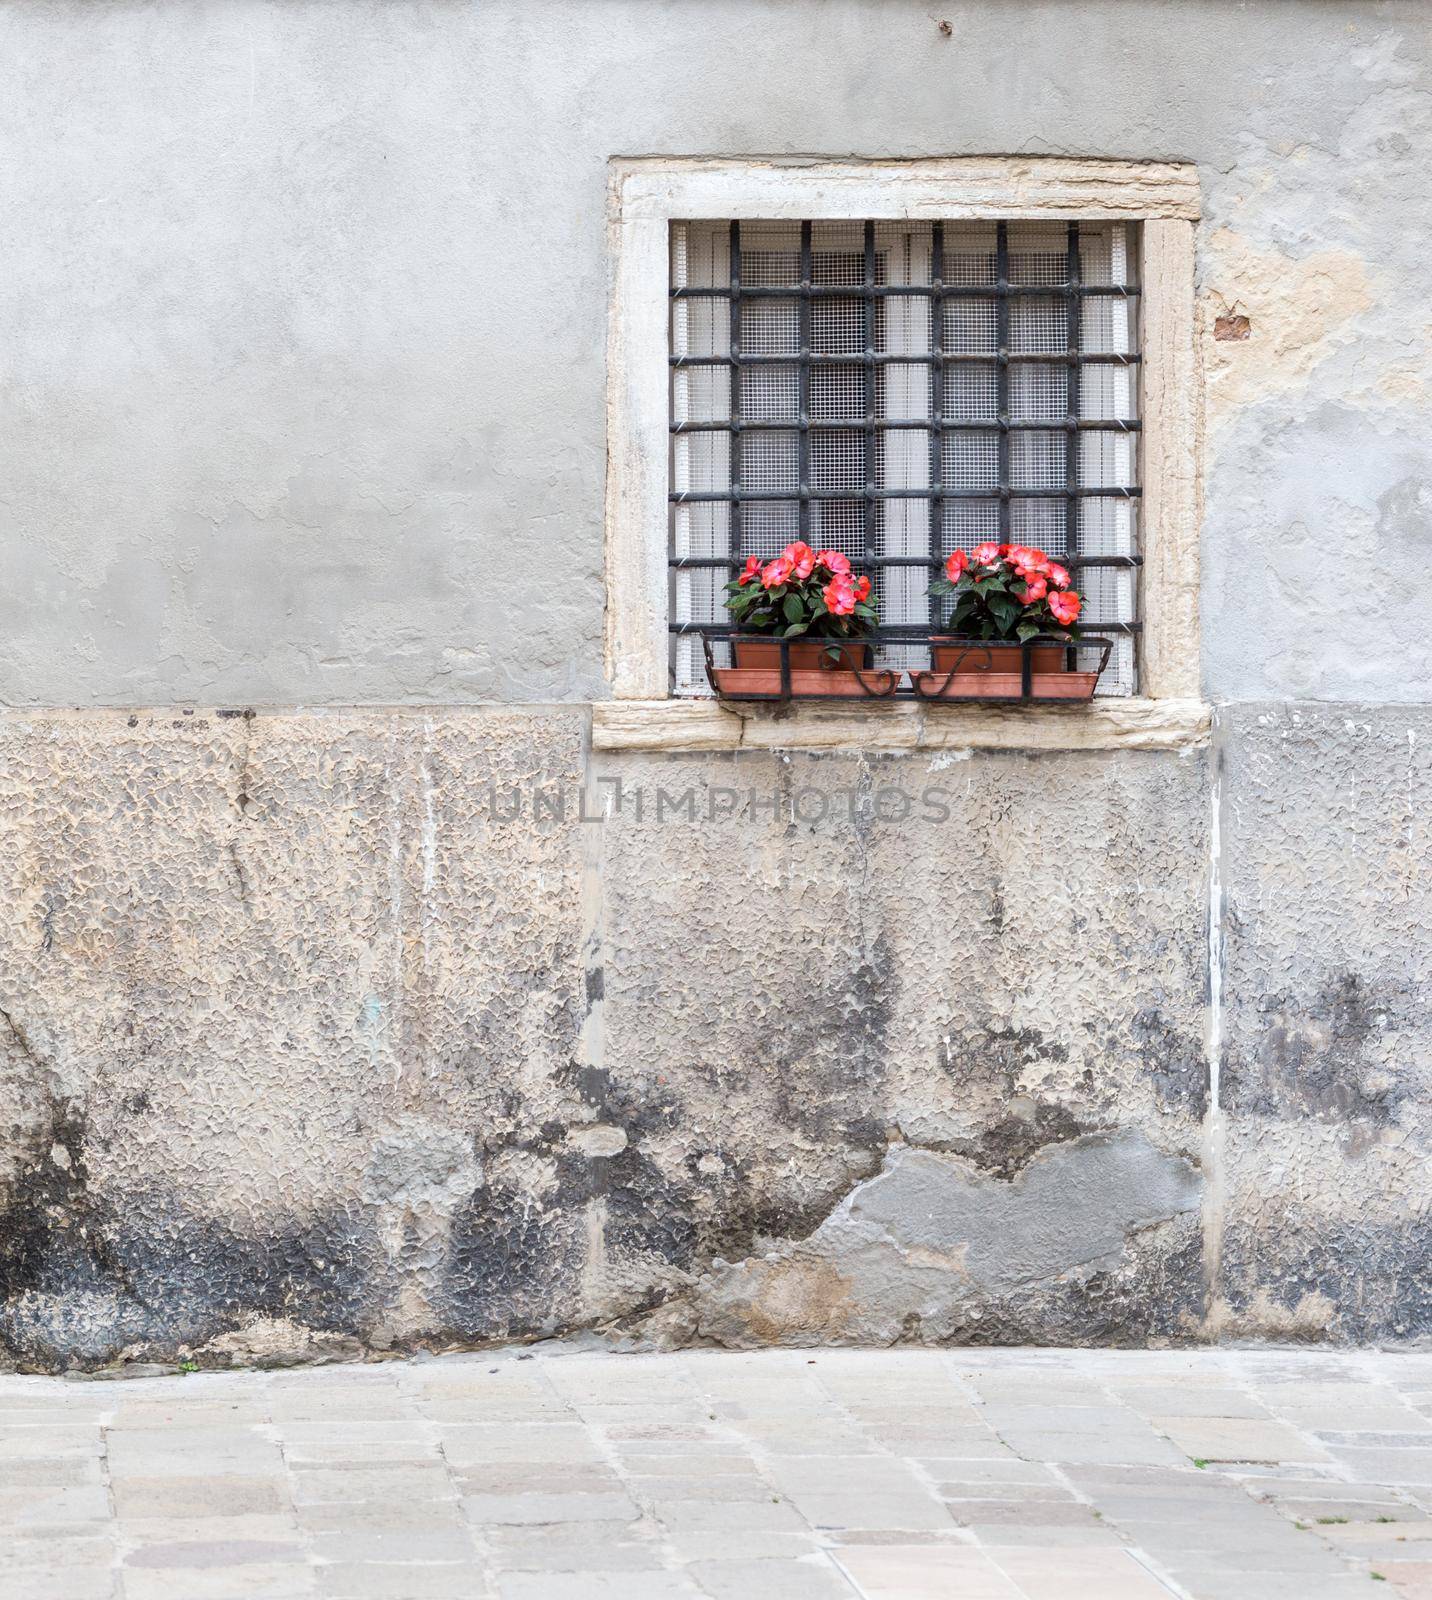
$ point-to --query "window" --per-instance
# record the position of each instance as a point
(871, 475)
(897, 390)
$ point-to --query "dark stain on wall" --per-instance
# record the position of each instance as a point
(1172, 1060)
(995, 1053)
(1331, 1279)
(1313, 1055)
(1006, 1146)
(511, 1268)
(50, 1227)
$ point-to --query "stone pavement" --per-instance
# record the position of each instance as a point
(563, 1474)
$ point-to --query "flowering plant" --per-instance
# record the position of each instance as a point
(802, 591)
(1008, 591)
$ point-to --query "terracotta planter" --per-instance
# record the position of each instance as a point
(999, 658)
(978, 671)
(806, 655)
(815, 671)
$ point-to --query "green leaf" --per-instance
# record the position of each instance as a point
(793, 608)
(795, 628)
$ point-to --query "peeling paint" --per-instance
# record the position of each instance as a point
(931, 1249)
(1295, 311)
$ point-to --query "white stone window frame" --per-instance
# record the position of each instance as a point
(646, 195)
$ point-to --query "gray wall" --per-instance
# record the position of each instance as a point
(308, 1046)
(303, 310)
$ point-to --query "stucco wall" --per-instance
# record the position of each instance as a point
(303, 309)
(336, 1019)
(326, 1029)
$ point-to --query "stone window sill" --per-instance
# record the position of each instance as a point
(702, 725)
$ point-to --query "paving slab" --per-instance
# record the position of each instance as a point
(859, 1475)
(926, 1572)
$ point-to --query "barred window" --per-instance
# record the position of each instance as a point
(898, 390)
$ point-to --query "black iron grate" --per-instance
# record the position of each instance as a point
(899, 390)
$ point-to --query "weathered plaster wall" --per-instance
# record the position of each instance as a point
(306, 1044)
(331, 1031)
(312, 1018)
(302, 309)
(1325, 1058)
(1320, 421)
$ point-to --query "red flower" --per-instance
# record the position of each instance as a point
(1025, 559)
(1033, 591)
(862, 588)
(801, 557)
(833, 562)
(776, 573)
(985, 555)
(1065, 607)
(955, 566)
(840, 596)
(1058, 575)
(753, 566)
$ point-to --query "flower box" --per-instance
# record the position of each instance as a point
(764, 683)
(805, 628)
(819, 669)
(806, 655)
(976, 669)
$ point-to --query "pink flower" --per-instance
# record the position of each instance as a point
(801, 557)
(955, 566)
(1033, 591)
(1025, 559)
(840, 596)
(753, 566)
(776, 573)
(1058, 575)
(1065, 607)
(862, 588)
(985, 555)
(833, 562)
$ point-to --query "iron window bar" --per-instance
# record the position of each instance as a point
(736, 360)
(938, 431)
(697, 497)
(869, 384)
(1001, 372)
(915, 424)
(732, 563)
(803, 384)
(894, 633)
(892, 291)
(886, 358)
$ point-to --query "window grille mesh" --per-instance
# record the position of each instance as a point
(908, 417)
